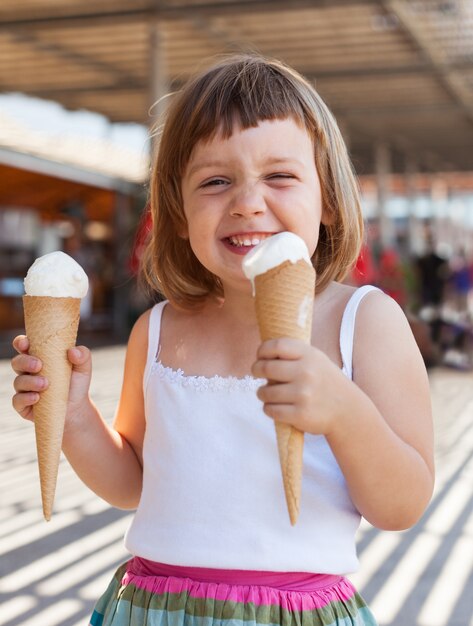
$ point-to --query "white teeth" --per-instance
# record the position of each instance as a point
(246, 241)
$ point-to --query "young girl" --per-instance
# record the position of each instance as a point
(249, 150)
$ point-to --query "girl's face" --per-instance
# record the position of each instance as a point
(240, 190)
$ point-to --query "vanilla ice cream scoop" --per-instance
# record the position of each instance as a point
(56, 275)
(272, 252)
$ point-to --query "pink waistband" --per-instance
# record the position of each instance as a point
(286, 581)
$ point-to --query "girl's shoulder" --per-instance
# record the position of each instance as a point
(369, 299)
(376, 314)
(337, 298)
(383, 337)
(140, 327)
(161, 313)
(371, 312)
(138, 339)
(379, 312)
(333, 311)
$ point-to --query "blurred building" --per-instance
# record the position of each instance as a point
(397, 74)
(80, 195)
(442, 199)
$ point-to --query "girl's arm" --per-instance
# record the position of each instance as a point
(107, 459)
(389, 463)
(379, 425)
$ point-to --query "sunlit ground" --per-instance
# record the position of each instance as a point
(51, 573)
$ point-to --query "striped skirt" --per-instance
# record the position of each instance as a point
(145, 593)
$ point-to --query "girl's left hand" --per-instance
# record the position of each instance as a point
(303, 386)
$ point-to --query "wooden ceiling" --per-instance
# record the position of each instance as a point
(395, 72)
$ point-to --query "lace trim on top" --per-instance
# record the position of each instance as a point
(205, 383)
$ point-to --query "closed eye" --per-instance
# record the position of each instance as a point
(281, 176)
(214, 182)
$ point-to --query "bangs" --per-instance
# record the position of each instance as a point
(252, 95)
(244, 93)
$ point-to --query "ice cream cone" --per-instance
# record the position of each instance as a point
(283, 299)
(51, 326)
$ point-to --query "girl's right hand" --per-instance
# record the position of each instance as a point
(28, 384)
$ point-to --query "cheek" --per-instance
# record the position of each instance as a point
(312, 240)
(197, 250)
(197, 236)
(327, 217)
(183, 228)
(197, 225)
(192, 219)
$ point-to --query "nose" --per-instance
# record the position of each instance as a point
(248, 201)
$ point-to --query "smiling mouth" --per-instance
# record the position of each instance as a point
(244, 241)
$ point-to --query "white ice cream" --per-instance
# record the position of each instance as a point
(56, 275)
(272, 252)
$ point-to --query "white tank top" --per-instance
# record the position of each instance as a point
(212, 488)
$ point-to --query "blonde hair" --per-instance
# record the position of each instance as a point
(251, 89)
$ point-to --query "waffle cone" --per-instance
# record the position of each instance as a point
(283, 300)
(51, 327)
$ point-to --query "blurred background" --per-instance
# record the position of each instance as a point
(79, 83)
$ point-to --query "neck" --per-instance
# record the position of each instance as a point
(239, 308)
(235, 310)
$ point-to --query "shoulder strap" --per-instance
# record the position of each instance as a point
(154, 332)
(347, 328)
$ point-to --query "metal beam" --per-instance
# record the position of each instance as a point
(161, 11)
(158, 83)
(401, 70)
(385, 111)
(67, 54)
(451, 79)
(58, 91)
(128, 82)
